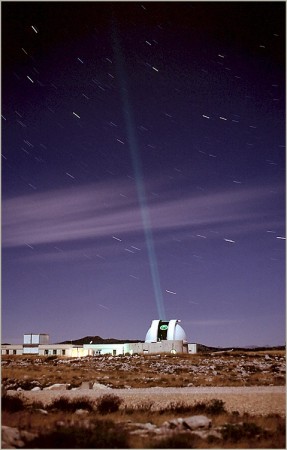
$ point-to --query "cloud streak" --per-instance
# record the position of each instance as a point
(102, 210)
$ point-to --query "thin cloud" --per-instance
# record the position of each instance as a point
(98, 211)
(212, 322)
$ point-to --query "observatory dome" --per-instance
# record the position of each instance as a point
(169, 330)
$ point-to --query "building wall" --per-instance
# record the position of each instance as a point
(192, 348)
(99, 349)
(11, 349)
(33, 338)
(136, 347)
(106, 349)
(56, 350)
(164, 347)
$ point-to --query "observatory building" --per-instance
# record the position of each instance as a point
(163, 336)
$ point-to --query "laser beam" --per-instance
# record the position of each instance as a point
(137, 168)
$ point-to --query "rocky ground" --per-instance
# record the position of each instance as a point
(228, 369)
(250, 386)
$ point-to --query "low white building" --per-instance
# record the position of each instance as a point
(162, 337)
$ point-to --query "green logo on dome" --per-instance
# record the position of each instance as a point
(163, 327)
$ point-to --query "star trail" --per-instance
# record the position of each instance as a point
(143, 169)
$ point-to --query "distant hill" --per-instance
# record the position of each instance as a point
(205, 349)
(98, 340)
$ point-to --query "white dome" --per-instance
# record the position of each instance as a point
(179, 333)
(169, 330)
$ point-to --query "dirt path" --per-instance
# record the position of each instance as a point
(253, 400)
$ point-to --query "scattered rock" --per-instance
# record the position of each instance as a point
(100, 386)
(195, 422)
(86, 385)
(42, 411)
(81, 412)
(174, 424)
(56, 387)
(14, 438)
(36, 388)
(205, 434)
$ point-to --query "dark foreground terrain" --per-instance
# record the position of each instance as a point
(224, 400)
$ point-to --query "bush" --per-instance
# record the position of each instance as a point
(145, 406)
(101, 434)
(27, 385)
(213, 407)
(71, 405)
(235, 432)
(12, 404)
(108, 403)
(177, 407)
(37, 405)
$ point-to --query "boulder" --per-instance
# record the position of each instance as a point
(100, 386)
(42, 411)
(81, 412)
(56, 387)
(197, 422)
(174, 424)
(36, 388)
(205, 434)
(143, 428)
(13, 438)
(86, 385)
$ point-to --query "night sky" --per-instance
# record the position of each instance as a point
(143, 170)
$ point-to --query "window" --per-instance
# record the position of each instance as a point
(46, 352)
(7, 352)
(63, 352)
(14, 352)
(54, 352)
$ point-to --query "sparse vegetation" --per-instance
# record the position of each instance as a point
(247, 430)
(108, 403)
(12, 404)
(164, 370)
(65, 427)
(64, 430)
(100, 434)
(71, 405)
(213, 407)
(184, 440)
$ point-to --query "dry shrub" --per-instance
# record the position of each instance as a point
(246, 430)
(100, 434)
(12, 404)
(184, 440)
(71, 405)
(213, 407)
(108, 403)
(143, 407)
